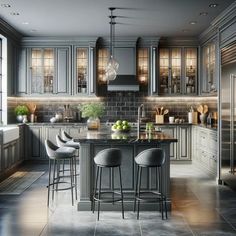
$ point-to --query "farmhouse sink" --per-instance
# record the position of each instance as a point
(9, 133)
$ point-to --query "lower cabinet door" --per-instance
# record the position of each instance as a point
(184, 144)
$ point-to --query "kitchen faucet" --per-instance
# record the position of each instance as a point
(141, 107)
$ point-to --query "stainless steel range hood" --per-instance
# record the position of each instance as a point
(123, 83)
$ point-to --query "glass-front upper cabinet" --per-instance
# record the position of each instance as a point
(103, 55)
(82, 70)
(190, 70)
(209, 81)
(42, 70)
(143, 68)
(177, 71)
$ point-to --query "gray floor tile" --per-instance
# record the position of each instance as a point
(213, 229)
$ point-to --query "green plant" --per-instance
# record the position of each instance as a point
(21, 110)
(92, 109)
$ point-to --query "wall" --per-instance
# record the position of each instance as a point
(120, 105)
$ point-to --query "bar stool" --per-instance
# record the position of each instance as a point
(63, 143)
(107, 158)
(153, 157)
(57, 155)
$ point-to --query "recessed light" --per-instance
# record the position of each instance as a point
(203, 13)
(193, 22)
(25, 23)
(5, 5)
(15, 13)
(213, 5)
(33, 30)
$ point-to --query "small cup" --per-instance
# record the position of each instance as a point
(171, 119)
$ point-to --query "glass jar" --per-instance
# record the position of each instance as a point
(93, 123)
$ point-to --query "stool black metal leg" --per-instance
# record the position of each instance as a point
(53, 181)
(99, 190)
(160, 191)
(71, 179)
(139, 186)
(112, 184)
(121, 192)
(63, 170)
(136, 189)
(49, 181)
(58, 172)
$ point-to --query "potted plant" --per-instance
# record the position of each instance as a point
(21, 112)
(93, 111)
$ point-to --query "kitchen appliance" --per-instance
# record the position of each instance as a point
(228, 116)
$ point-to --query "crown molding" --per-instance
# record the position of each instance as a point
(185, 41)
(219, 23)
(8, 31)
(59, 41)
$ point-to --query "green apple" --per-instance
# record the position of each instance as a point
(124, 122)
(118, 122)
(119, 127)
(124, 127)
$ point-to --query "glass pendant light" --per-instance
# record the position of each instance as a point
(112, 65)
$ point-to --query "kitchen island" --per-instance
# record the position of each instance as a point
(94, 141)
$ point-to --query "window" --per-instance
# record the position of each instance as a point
(0, 80)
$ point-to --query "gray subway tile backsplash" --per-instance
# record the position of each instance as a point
(117, 106)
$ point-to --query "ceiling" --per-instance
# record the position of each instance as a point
(167, 18)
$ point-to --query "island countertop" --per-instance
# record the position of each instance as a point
(106, 135)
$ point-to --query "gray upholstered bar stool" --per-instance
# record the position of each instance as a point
(63, 143)
(107, 158)
(150, 158)
(56, 155)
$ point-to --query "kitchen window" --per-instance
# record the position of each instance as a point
(3, 80)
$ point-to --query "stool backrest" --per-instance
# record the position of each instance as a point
(66, 136)
(60, 141)
(108, 157)
(50, 149)
(151, 157)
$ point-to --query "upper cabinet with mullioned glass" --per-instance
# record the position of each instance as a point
(143, 66)
(103, 55)
(209, 81)
(42, 70)
(82, 70)
(177, 71)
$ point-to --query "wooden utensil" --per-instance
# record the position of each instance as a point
(205, 109)
(166, 111)
(200, 109)
(161, 112)
(157, 110)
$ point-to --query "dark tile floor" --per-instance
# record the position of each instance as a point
(200, 207)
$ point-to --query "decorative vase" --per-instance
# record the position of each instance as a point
(203, 118)
(19, 118)
(25, 119)
(93, 123)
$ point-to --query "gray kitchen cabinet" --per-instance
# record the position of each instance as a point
(172, 131)
(34, 145)
(21, 72)
(205, 148)
(209, 74)
(21, 142)
(63, 71)
(84, 76)
(182, 149)
(184, 145)
(43, 70)
(178, 71)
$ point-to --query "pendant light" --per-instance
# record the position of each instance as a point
(112, 65)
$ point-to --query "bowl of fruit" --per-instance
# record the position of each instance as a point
(121, 126)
